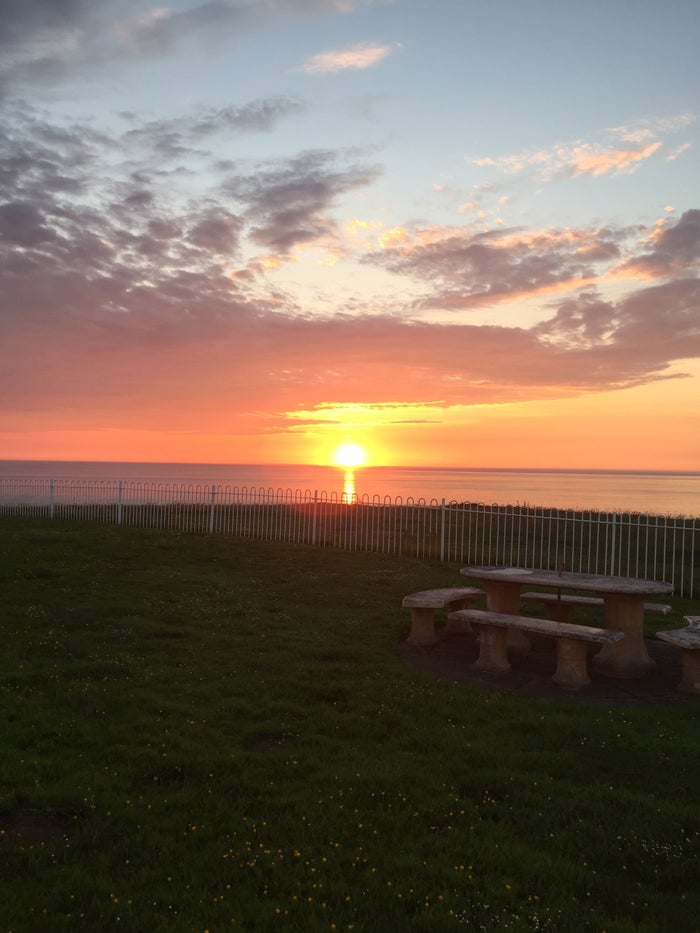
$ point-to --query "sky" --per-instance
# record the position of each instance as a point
(460, 233)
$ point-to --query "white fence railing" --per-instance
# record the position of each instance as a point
(627, 544)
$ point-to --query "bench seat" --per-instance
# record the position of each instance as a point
(561, 607)
(572, 642)
(688, 639)
(424, 603)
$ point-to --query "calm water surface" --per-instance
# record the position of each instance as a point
(653, 493)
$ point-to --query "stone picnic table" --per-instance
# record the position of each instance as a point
(623, 608)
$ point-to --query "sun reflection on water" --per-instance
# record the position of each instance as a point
(349, 494)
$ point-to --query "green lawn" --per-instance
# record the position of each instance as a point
(204, 733)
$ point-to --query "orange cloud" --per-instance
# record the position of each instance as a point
(588, 160)
(356, 57)
(628, 148)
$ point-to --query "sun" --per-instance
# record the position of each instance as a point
(349, 455)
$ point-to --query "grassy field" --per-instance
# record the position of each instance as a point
(203, 733)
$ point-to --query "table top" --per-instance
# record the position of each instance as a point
(566, 579)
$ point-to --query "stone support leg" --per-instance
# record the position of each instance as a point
(572, 669)
(493, 649)
(690, 682)
(422, 627)
(505, 597)
(560, 612)
(627, 658)
(455, 627)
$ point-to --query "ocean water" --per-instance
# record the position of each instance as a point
(647, 492)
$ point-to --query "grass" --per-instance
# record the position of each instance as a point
(204, 733)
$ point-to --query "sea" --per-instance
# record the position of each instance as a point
(652, 493)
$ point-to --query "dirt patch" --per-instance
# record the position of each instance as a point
(37, 827)
(452, 657)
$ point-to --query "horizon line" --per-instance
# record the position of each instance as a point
(333, 466)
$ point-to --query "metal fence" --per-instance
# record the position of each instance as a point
(626, 544)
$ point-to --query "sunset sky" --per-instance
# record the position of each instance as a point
(456, 233)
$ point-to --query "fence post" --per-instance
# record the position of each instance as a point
(443, 516)
(211, 508)
(119, 503)
(52, 504)
(313, 523)
(612, 546)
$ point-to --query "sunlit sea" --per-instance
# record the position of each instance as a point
(609, 491)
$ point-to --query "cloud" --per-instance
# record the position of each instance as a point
(651, 127)
(163, 28)
(575, 160)
(128, 233)
(357, 57)
(624, 150)
(678, 152)
(593, 160)
(177, 138)
(321, 6)
(115, 286)
(49, 41)
(24, 19)
(287, 203)
(259, 116)
(21, 224)
(185, 348)
(45, 41)
(182, 339)
(675, 250)
(217, 230)
(463, 269)
(644, 331)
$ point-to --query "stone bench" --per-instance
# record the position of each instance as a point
(688, 639)
(572, 642)
(424, 603)
(561, 607)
